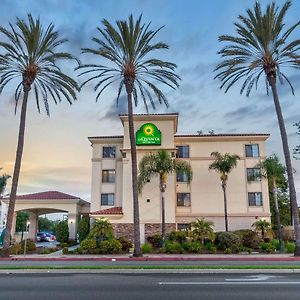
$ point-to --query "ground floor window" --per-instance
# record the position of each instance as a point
(183, 199)
(183, 227)
(108, 199)
(255, 199)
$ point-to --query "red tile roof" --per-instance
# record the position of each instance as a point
(109, 211)
(49, 195)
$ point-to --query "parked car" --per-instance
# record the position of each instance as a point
(50, 237)
(41, 237)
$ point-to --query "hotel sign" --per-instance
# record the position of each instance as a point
(148, 134)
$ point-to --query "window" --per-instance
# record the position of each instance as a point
(108, 199)
(108, 176)
(181, 177)
(183, 227)
(183, 199)
(255, 199)
(183, 151)
(253, 174)
(109, 152)
(252, 150)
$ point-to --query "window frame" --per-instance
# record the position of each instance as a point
(110, 155)
(256, 204)
(182, 152)
(253, 177)
(108, 176)
(183, 179)
(108, 203)
(183, 200)
(252, 152)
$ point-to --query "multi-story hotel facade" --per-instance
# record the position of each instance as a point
(111, 191)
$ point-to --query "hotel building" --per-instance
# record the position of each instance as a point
(111, 191)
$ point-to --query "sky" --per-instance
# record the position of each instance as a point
(57, 153)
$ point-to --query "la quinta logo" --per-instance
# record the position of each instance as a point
(148, 134)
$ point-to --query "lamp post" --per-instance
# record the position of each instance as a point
(25, 242)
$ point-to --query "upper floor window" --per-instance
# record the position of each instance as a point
(255, 199)
(181, 177)
(183, 151)
(253, 174)
(183, 199)
(109, 152)
(252, 150)
(108, 176)
(108, 199)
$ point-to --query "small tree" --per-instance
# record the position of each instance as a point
(101, 230)
(202, 229)
(263, 226)
(62, 232)
(83, 228)
(44, 224)
(3, 182)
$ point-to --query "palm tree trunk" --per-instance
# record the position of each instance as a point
(275, 194)
(15, 180)
(225, 205)
(163, 213)
(136, 214)
(289, 168)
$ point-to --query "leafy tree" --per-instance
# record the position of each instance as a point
(3, 182)
(202, 229)
(223, 164)
(21, 221)
(263, 226)
(161, 164)
(127, 48)
(261, 49)
(83, 228)
(274, 171)
(29, 57)
(44, 224)
(101, 230)
(62, 232)
(297, 148)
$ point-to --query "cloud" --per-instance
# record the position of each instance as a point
(112, 113)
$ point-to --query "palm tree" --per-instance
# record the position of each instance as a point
(3, 181)
(223, 164)
(202, 229)
(127, 47)
(261, 49)
(274, 171)
(29, 57)
(161, 164)
(263, 226)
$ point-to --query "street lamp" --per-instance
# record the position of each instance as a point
(25, 243)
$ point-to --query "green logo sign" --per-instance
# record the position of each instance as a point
(148, 134)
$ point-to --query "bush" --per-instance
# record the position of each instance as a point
(30, 245)
(276, 244)
(155, 240)
(192, 247)
(226, 240)
(88, 246)
(211, 248)
(126, 244)
(15, 249)
(112, 246)
(147, 248)
(45, 251)
(177, 236)
(245, 249)
(101, 230)
(83, 228)
(249, 238)
(62, 232)
(65, 250)
(71, 243)
(290, 247)
(173, 248)
(227, 251)
(267, 247)
(63, 245)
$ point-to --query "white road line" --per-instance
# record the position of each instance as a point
(232, 283)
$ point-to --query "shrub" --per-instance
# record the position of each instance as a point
(245, 249)
(192, 247)
(267, 247)
(63, 245)
(147, 248)
(177, 236)
(45, 251)
(30, 245)
(65, 250)
(211, 248)
(101, 230)
(83, 228)
(226, 240)
(71, 243)
(248, 238)
(15, 249)
(203, 230)
(155, 240)
(227, 251)
(173, 248)
(62, 232)
(276, 244)
(112, 246)
(126, 244)
(88, 246)
(290, 247)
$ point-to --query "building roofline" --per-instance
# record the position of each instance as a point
(223, 134)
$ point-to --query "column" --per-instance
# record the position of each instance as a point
(72, 223)
(33, 219)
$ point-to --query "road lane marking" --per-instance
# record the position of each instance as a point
(260, 277)
(232, 283)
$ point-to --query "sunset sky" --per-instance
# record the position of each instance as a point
(57, 154)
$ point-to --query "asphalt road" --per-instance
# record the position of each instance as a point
(150, 286)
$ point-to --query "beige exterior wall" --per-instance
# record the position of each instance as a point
(205, 189)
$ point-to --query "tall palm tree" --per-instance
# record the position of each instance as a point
(261, 49)
(127, 47)
(29, 57)
(223, 164)
(161, 164)
(3, 182)
(274, 171)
